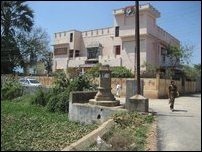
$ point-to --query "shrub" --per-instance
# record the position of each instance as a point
(59, 103)
(121, 140)
(39, 98)
(57, 99)
(61, 82)
(72, 72)
(94, 71)
(11, 89)
(121, 72)
(80, 83)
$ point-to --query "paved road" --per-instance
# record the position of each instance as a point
(179, 130)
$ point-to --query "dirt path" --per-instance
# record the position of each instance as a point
(152, 138)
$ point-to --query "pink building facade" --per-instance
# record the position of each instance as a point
(115, 45)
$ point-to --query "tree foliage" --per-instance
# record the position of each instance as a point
(192, 72)
(121, 72)
(94, 71)
(150, 70)
(33, 47)
(48, 61)
(179, 55)
(11, 88)
(15, 16)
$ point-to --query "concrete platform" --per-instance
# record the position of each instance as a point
(105, 103)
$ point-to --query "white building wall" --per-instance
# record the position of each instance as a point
(152, 38)
(60, 62)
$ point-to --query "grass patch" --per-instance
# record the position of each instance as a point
(128, 134)
(27, 127)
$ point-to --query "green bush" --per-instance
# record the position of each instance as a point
(72, 72)
(11, 89)
(94, 71)
(58, 103)
(57, 99)
(61, 82)
(121, 72)
(125, 119)
(80, 83)
(40, 98)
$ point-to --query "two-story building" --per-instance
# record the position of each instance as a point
(115, 45)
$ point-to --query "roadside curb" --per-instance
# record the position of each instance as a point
(91, 137)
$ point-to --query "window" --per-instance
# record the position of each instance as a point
(93, 53)
(71, 37)
(117, 50)
(64, 33)
(77, 53)
(71, 52)
(116, 31)
(60, 51)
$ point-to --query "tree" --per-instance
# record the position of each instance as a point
(48, 61)
(150, 70)
(191, 72)
(34, 46)
(198, 67)
(178, 55)
(15, 16)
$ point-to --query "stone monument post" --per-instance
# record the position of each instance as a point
(104, 96)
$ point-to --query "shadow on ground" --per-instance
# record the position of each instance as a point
(176, 110)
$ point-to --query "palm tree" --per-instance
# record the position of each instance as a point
(15, 16)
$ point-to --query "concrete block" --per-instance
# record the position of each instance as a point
(138, 103)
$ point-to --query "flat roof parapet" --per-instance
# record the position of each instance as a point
(141, 7)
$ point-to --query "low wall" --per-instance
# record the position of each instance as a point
(81, 111)
(45, 81)
(82, 96)
(153, 87)
(89, 139)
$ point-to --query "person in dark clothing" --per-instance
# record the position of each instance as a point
(172, 94)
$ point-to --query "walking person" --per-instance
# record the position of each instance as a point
(172, 94)
(118, 88)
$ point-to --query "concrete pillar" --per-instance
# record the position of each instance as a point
(135, 102)
(131, 88)
(138, 103)
(157, 83)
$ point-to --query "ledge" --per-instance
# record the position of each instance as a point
(91, 137)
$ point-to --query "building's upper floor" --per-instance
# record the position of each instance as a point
(123, 28)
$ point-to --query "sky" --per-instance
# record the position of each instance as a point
(182, 19)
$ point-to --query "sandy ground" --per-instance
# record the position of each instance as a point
(152, 138)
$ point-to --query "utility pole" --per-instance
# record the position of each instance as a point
(137, 38)
(137, 102)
